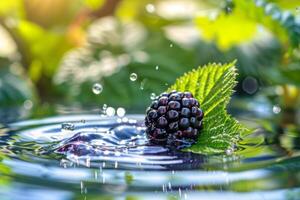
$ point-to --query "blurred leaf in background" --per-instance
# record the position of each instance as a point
(65, 47)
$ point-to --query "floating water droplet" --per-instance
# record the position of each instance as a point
(27, 104)
(97, 88)
(67, 127)
(133, 76)
(229, 151)
(171, 45)
(88, 162)
(121, 112)
(152, 96)
(142, 86)
(156, 67)
(81, 186)
(110, 111)
(116, 164)
(170, 186)
(276, 109)
(179, 192)
(150, 8)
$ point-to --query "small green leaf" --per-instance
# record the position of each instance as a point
(213, 85)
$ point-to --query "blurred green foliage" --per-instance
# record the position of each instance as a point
(64, 48)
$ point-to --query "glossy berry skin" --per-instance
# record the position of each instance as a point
(174, 119)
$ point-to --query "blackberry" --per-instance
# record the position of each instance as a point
(174, 119)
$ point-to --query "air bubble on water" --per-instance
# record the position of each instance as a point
(110, 111)
(97, 88)
(121, 112)
(171, 45)
(119, 120)
(104, 107)
(133, 76)
(125, 119)
(132, 121)
(67, 127)
(276, 109)
(156, 67)
(150, 8)
(152, 96)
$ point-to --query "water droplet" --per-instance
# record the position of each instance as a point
(179, 192)
(142, 86)
(110, 111)
(88, 162)
(82, 187)
(171, 45)
(150, 8)
(250, 85)
(156, 67)
(97, 88)
(67, 127)
(229, 151)
(133, 76)
(152, 96)
(228, 9)
(116, 164)
(27, 104)
(276, 109)
(121, 112)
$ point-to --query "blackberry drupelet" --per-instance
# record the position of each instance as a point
(174, 119)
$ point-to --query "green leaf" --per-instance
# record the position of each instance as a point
(213, 85)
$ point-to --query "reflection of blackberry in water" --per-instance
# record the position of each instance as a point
(174, 119)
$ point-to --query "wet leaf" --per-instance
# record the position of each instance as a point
(213, 86)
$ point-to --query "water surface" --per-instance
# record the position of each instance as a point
(88, 157)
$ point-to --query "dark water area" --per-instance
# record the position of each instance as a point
(95, 157)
